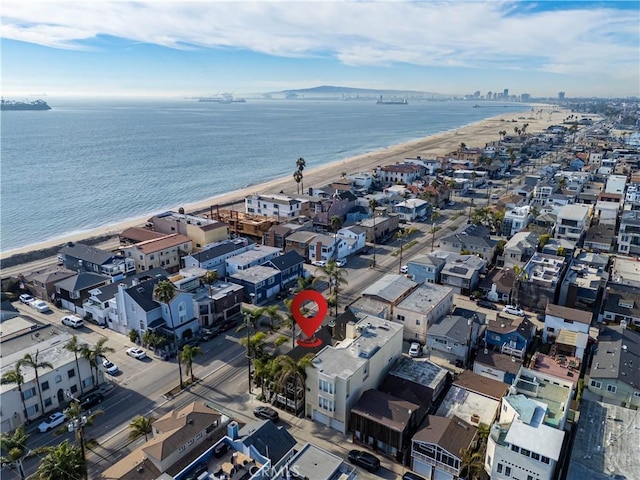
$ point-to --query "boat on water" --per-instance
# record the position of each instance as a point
(10, 105)
(402, 101)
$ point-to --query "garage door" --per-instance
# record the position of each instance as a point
(422, 468)
(320, 417)
(338, 425)
(440, 475)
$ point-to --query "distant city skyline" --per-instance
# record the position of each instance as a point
(164, 48)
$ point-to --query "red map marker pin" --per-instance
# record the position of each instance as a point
(306, 324)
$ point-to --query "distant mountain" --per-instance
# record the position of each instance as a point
(329, 91)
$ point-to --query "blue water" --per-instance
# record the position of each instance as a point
(84, 164)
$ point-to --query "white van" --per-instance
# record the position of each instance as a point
(72, 321)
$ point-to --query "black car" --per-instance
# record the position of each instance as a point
(91, 400)
(266, 413)
(411, 476)
(210, 333)
(369, 462)
(486, 304)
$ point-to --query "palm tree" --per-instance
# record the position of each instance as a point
(262, 370)
(286, 371)
(15, 376)
(306, 283)
(300, 164)
(141, 426)
(521, 276)
(255, 343)
(187, 356)
(210, 277)
(335, 223)
(32, 361)
(94, 355)
(272, 312)
(471, 464)
(164, 291)
(80, 419)
(451, 184)
(372, 205)
(76, 347)
(463, 146)
(434, 229)
(13, 447)
(297, 176)
(61, 462)
(291, 322)
(435, 215)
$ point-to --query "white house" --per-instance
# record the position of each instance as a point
(629, 233)
(519, 249)
(565, 318)
(273, 205)
(616, 184)
(356, 238)
(411, 209)
(515, 220)
(573, 221)
(341, 373)
(422, 308)
(259, 255)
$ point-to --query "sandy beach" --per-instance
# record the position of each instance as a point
(473, 135)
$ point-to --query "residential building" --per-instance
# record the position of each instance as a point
(328, 247)
(356, 238)
(201, 231)
(277, 234)
(405, 173)
(273, 205)
(243, 224)
(616, 184)
(621, 303)
(382, 226)
(498, 285)
(625, 270)
(564, 359)
(418, 381)
(338, 204)
(473, 398)
(541, 193)
(42, 283)
(422, 308)
(509, 334)
(452, 337)
(73, 292)
(560, 247)
(629, 233)
(599, 425)
(164, 252)
(84, 258)
(608, 207)
(341, 373)
(462, 272)
(291, 266)
(384, 295)
(361, 181)
(573, 221)
(300, 242)
(313, 462)
(582, 285)
(515, 220)
(571, 319)
(540, 281)
(496, 365)
(614, 376)
(258, 255)
(470, 239)
(261, 283)
(22, 336)
(426, 268)
(385, 423)
(436, 447)
(133, 235)
(218, 303)
(214, 256)
(600, 238)
(411, 209)
(518, 249)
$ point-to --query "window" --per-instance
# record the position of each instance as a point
(596, 384)
(71, 373)
(515, 448)
(47, 402)
(33, 409)
(325, 386)
(636, 394)
(401, 318)
(74, 388)
(525, 452)
(58, 378)
(499, 468)
(507, 471)
(45, 385)
(612, 388)
(417, 322)
(529, 477)
(28, 393)
(535, 456)
(545, 460)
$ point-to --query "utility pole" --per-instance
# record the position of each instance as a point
(77, 424)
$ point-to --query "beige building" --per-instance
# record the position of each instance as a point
(202, 231)
(164, 252)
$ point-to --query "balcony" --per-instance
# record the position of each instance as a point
(435, 463)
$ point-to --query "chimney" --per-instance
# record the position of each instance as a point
(232, 430)
(351, 330)
(356, 350)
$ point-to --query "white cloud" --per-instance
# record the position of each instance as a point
(471, 34)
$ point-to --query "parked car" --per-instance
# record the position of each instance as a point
(55, 419)
(72, 321)
(341, 262)
(136, 353)
(210, 333)
(266, 413)
(40, 306)
(366, 460)
(411, 476)
(404, 269)
(110, 367)
(513, 310)
(90, 400)
(495, 196)
(415, 350)
(26, 298)
(486, 304)
(319, 263)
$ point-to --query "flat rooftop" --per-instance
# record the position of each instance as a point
(606, 443)
(555, 396)
(312, 462)
(423, 373)
(465, 404)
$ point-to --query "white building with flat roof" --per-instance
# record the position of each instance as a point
(422, 308)
(573, 221)
(341, 373)
(273, 205)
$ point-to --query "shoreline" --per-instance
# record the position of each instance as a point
(475, 134)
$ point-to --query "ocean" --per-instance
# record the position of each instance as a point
(87, 164)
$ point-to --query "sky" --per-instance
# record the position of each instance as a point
(179, 48)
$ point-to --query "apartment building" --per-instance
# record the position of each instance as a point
(573, 221)
(273, 205)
